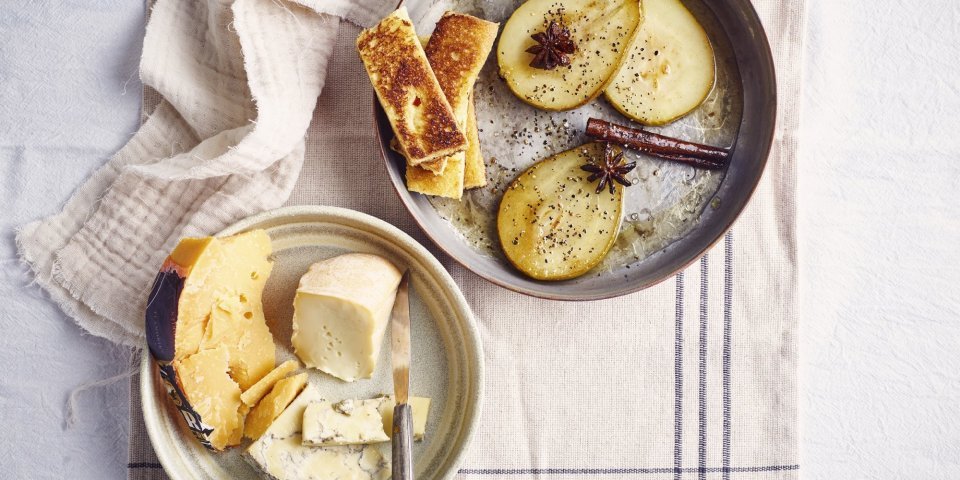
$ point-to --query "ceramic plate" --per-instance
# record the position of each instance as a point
(673, 214)
(447, 361)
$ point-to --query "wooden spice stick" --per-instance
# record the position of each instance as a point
(696, 162)
(669, 148)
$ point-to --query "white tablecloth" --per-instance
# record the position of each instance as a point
(879, 229)
(69, 98)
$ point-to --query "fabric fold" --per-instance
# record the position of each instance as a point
(239, 82)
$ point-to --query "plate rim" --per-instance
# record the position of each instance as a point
(151, 416)
(406, 196)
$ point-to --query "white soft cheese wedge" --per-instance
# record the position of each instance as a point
(349, 422)
(281, 455)
(341, 312)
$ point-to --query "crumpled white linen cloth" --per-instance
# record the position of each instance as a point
(239, 82)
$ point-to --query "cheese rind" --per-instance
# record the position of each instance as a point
(188, 250)
(273, 405)
(252, 395)
(341, 312)
(349, 422)
(213, 395)
(280, 453)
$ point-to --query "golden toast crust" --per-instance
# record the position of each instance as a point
(474, 170)
(409, 92)
(457, 50)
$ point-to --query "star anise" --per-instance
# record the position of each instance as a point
(554, 47)
(609, 169)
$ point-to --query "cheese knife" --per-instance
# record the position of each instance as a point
(400, 357)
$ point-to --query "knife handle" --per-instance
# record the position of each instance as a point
(403, 442)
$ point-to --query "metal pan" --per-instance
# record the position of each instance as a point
(740, 28)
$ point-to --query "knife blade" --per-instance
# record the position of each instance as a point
(400, 338)
(400, 359)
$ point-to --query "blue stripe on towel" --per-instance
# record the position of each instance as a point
(678, 384)
(573, 471)
(727, 330)
(622, 471)
(702, 374)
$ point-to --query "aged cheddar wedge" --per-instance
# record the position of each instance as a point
(281, 455)
(215, 397)
(349, 422)
(252, 395)
(341, 312)
(419, 113)
(353, 422)
(216, 269)
(237, 323)
(457, 50)
(208, 294)
(207, 297)
(272, 405)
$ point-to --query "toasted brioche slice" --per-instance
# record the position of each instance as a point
(474, 170)
(457, 50)
(408, 90)
(425, 181)
(435, 166)
(449, 184)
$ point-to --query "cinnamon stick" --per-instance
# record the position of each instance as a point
(661, 146)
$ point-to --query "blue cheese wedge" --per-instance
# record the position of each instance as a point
(421, 410)
(280, 454)
(341, 312)
(354, 422)
(349, 422)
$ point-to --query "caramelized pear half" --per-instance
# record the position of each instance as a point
(552, 223)
(601, 32)
(670, 68)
